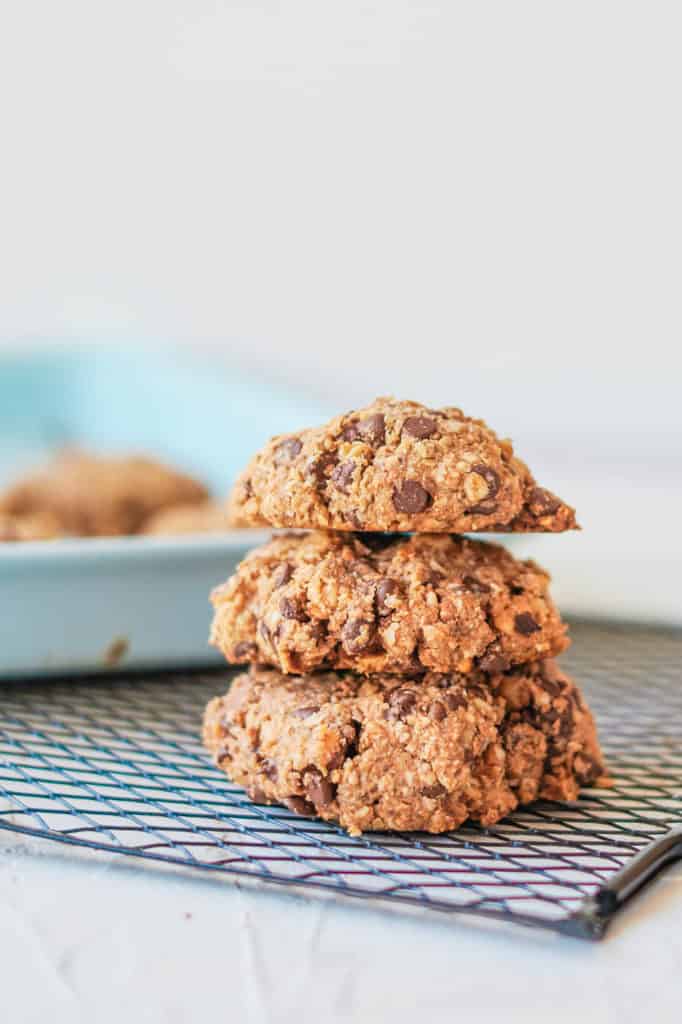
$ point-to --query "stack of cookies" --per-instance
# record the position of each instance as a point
(401, 674)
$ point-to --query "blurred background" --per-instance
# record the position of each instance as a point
(284, 209)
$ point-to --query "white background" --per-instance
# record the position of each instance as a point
(466, 203)
(475, 204)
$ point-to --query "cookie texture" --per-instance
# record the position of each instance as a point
(382, 603)
(207, 517)
(387, 752)
(89, 495)
(31, 527)
(396, 466)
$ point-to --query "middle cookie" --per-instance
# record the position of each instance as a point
(385, 603)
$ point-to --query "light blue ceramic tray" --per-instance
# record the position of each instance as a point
(101, 605)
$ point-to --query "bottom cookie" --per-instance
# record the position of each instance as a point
(391, 752)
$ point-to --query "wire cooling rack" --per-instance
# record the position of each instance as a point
(116, 764)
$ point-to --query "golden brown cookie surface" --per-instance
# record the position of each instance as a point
(396, 466)
(376, 603)
(387, 752)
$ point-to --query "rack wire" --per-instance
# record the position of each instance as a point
(116, 764)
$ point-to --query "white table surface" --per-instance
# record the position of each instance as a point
(88, 938)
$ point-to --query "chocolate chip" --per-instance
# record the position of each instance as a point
(343, 475)
(357, 635)
(350, 431)
(386, 588)
(475, 586)
(419, 427)
(354, 519)
(411, 498)
(306, 712)
(319, 789)
(353, 745)
(247, 490)
(485, 508)
(223, 755)
(566, 723)
(529, 716)
(494, 663)
(256, 795)
(455, 700)
(551, 687)
(437, 711)
(298, 805)
(435, 577)
(401, 702)
(372, 429)
(490, 477)
(542, 502)
(379, 541)
(287, 450)
(526, 624)
(441, 681)
(318, 630)
(244, 651)
(270, 769)
(516, 591)
(282, 575)
(434, 791)
(321, 467)
(291, 609)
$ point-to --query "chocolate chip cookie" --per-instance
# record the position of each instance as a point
(100, 496)
(396, 466)
(394, 753)
(382, 603)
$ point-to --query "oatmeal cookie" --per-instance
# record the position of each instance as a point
(396, 466)
(100, 496)
(387, 752)
(37, 527)
(382, 603)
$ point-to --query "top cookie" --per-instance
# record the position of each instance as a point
(396, 466)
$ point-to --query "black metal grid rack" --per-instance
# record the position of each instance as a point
(116, 764)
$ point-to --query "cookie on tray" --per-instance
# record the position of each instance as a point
(390, 752)
(92, 495)
(208, 517)
(396, 466)
(32, 527)
(382, 603)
